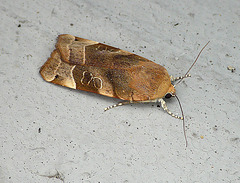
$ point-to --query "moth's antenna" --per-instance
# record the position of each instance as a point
(184, 130)
(192, 64)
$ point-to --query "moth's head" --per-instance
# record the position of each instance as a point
(171, 92)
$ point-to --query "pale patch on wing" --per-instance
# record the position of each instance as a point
(72, 49)
(65, 76)
(58, 72)
(48, 70)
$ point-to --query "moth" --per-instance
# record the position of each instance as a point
(95, 67)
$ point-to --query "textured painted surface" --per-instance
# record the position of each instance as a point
(47, 129)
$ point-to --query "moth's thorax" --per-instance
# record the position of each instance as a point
(164, 85)
(171, 90)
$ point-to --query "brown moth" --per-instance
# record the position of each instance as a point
(95, 67)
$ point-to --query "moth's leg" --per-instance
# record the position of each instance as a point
(119, 104)
(164, 106)
(130, 102)
(180, 77)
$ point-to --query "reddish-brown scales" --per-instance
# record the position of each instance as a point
(91, 66)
